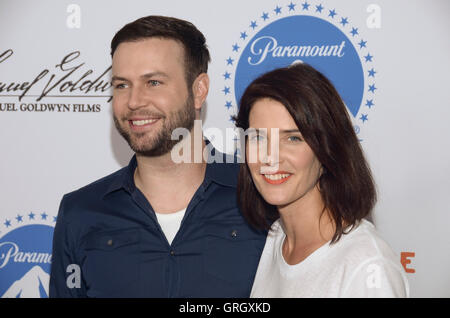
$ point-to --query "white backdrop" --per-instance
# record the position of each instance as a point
(45, 153)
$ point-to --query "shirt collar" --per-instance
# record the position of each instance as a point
(221, 172)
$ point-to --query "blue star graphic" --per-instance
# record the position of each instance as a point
(332, 13)
(265, 16)
(363, 117)
(231, 119)
(54, 219)
(277, 10)
(7, 223)
(226, 75)
(291, 7)
(319, 8)
(371, 72)
(305, 5)
(236, 47)
(253, 24)
(226, 90)
(19, 218)
(354, 31)
(243, 35)
(44, 216)
(228, 105)
(230, 61)
(344, 21)
(362, 44)
(368, 57)
(372, 88)
(31, 216)
(369, 103)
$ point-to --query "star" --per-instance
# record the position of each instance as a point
(7, 223)
(362, 44)
(369, 103)
(291, 7)
(372, 72)
(277, 10)
(44, 216)
(31, 216)
(363, 117)
(368, 57)
(54, 219)
(19, 218)
(344, 21)
(332, 13)
(230, 61)
(265, 16)
(243, 35)
(319, 8)
(226, 75)
(354, 31)
(236, 47)
(228, 104)
(305, 5)
(231, 119)
(253, 24)
(226, 90)
(372, 88)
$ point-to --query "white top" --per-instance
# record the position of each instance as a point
(360, 264)
(170, 223)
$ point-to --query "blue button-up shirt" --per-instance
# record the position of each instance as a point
(108, 242)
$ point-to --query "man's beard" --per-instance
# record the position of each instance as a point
(161, 143)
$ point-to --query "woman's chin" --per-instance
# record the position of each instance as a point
(277, 200)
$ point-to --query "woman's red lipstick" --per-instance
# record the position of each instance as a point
(277, 180)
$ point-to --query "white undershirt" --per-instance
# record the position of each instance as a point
(360, 264)
(170, 223)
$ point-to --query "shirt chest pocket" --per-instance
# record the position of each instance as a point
(232, 253)
(111, 265)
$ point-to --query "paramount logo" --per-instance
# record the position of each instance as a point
(11, 251)
(263, 46)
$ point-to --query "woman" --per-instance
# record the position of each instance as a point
(313, 194)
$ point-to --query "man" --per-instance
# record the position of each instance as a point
(156, 228)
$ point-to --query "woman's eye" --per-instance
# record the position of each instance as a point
(256, 138)
(294, 138)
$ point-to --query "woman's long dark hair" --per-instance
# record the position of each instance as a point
(346, 186)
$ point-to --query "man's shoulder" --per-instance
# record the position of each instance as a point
(224, 169)
(96, 189)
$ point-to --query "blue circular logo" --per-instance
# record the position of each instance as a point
(307, 33)
(25, 260)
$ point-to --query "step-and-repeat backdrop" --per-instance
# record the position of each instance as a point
(388, 59)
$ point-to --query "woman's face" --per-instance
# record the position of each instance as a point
(296, 169)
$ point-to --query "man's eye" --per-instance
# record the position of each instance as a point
(154, 82)
(120, 86)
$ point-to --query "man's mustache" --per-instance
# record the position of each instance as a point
(146, 113)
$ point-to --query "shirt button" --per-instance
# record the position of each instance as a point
(172, 253)
(234, 233)
(110, 242)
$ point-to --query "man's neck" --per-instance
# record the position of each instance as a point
(167, 185)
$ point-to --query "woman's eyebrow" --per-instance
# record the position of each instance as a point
(289, 131)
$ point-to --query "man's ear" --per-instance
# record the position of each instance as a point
(200, 89)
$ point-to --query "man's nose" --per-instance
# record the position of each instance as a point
(137, 98)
